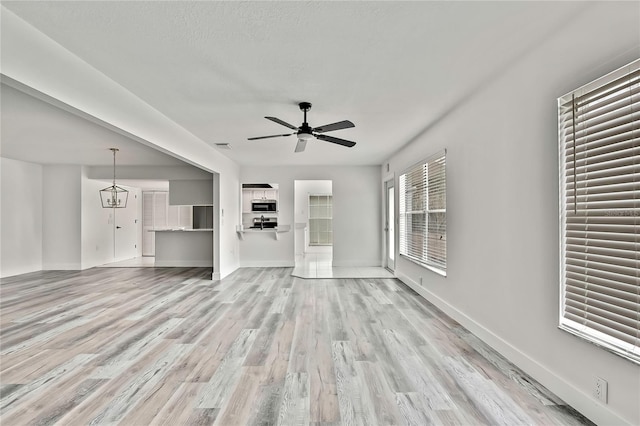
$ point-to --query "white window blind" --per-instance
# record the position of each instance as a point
(423, 213)
(599, 148)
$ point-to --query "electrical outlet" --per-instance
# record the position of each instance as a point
(420, 280)
(600, 390)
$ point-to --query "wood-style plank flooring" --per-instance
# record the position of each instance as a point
(140, 346)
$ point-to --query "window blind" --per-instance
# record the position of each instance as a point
(423, 214)
(599, 147)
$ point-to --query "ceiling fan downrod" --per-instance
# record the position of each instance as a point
(305, 106)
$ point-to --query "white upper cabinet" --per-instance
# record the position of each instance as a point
(261, 191)
(264, 194)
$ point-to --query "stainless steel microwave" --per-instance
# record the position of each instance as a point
(263, 206)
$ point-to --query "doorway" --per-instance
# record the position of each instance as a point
(313, 231)
(125, 230)
(390, 236)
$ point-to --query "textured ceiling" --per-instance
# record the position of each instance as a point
(217, 68)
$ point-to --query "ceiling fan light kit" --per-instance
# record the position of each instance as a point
(305, 132)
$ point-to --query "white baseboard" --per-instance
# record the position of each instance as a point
(356, 263)
(62, 267)
(19, 271)
(183, 263)
(573, 396)
(268, 264)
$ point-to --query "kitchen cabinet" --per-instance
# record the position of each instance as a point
(158, 214)
(264, 194)
(154, 215)
(191, 192)
(251, 194)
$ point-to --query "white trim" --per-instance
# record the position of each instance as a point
(268, 264)
(357, 263)
(432, 268)
(183, 263)
(64, 267)
(573, 396)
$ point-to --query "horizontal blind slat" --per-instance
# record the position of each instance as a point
(599, 150)
(580, 293)
(607, 89)
(602, 328)
(602, 313)
(605, 284)
(593, 317)
(600, 290)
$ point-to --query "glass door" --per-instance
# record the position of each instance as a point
(390, 236)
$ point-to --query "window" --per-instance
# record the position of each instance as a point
(320, 216)
(423, 214)
(599, 148)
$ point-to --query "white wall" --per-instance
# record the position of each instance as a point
(356, 211)
(226, 206)
(96, 225)
(52, 219)
(502, 206)
(304, 188)
(62, 197)
(21, 213)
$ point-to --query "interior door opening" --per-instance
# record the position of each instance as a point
(313, 218)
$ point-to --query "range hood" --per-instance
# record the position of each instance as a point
(256, 186)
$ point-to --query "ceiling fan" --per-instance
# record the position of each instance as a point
(306, 132)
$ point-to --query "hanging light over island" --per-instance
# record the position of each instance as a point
(114, 197)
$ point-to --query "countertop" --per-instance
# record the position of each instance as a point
(182, 230)
(273, 231)
(280, 228)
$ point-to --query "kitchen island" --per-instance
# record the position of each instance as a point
(184, 247)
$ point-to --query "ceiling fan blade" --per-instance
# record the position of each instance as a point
(267, 137)
(301, 145)
(339, 141)
(334, 126)
(284, 123)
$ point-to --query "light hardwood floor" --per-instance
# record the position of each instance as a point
(138, 346)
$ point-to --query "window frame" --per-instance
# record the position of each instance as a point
(404, 215)
(329, 219)
(586, 328)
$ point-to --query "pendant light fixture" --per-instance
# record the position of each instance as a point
(114, 197)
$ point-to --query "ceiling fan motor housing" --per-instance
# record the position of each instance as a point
(305, 129)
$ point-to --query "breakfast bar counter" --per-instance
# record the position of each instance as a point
(184, 247)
